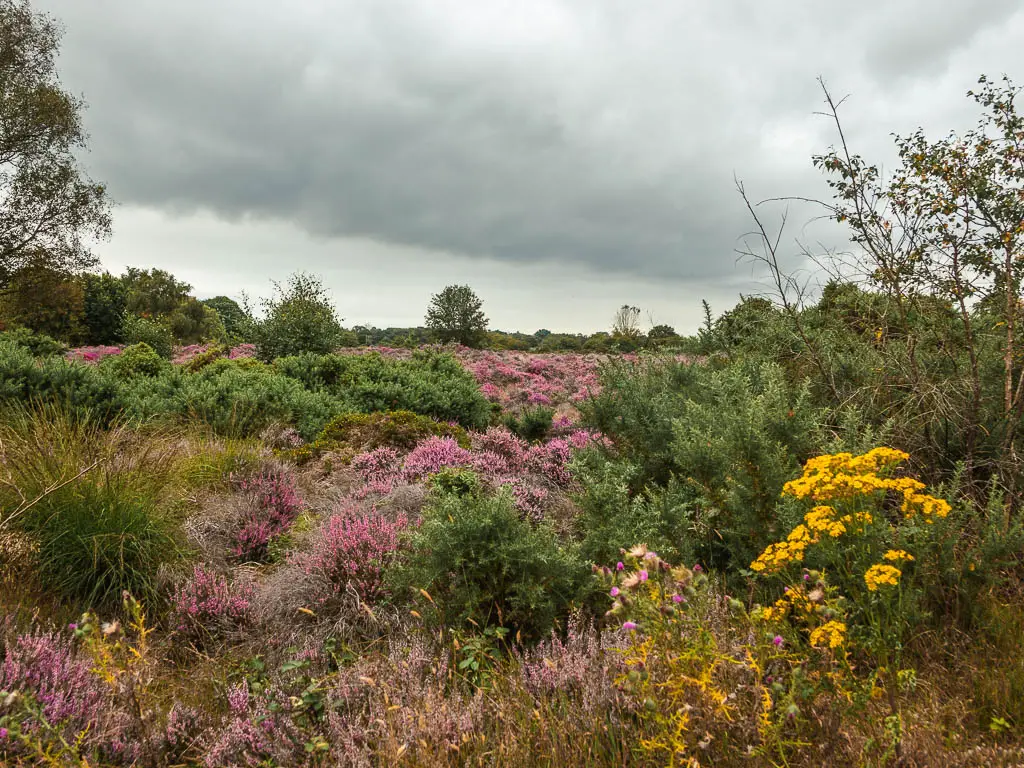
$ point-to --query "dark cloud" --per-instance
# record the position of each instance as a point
(598, 133)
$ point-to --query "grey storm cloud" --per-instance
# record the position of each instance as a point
(601, 132)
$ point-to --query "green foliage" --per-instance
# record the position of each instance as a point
(611, 517)
(300, 318)
(105, 306)
(481, 562)
(353, 433)
(718, 441)
(38, 344)
(237, 322)
(531, 424)
(456, 314)
(154, 293)
(456, 481)
(79, 388)
(193, 322)
(100, 524)
(429, 384)
(44, 300)
(155, 334)
(137, 360)
(240, 400)
(49, 207)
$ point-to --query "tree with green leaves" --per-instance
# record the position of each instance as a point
(299, 318)
(49, 207)
(237, 322)
(154, 293)
(456, 314)
(106, 301)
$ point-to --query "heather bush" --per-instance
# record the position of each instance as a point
(481, 562)
(353, 549)
(207, 604)
(272, 505)
(51, 703)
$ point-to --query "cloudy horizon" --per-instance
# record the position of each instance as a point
(562, 158)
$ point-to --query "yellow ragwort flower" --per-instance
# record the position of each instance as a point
(898, 554)
(832, 633)
(881, 574)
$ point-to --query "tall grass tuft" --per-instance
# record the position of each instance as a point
(92, 502)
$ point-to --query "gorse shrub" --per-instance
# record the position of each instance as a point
(428, 384)
(137, 360)
(718, 443)
(532, 424)
(353, 433)
(38, 344)
(79, 389)
(240, 400)
(481, 562)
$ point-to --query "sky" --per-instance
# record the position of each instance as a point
(562, 157)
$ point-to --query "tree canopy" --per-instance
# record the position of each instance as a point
(49, 207)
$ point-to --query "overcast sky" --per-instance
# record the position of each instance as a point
(563, 157)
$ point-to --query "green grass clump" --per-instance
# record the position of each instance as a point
(95, 504)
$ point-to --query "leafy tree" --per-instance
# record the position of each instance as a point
(299, 318)
(154, 293)
(106, 301)
(456, 314)
(45, 300)
(237, 322)
(192, 322)
(49, 208)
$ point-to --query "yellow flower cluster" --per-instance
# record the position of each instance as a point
(896, 555)
(880, 574)
(927, 506)
(822, 519)
(795, 599)
(841, 476)
(832, 634)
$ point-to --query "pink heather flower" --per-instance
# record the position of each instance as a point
(777, 640)
(619, 566)
(807, 577)
(3, 734)
(677, 598)
(643, 575)
(354, 548)
(614, 592)
(697, 568)
(629, 625)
